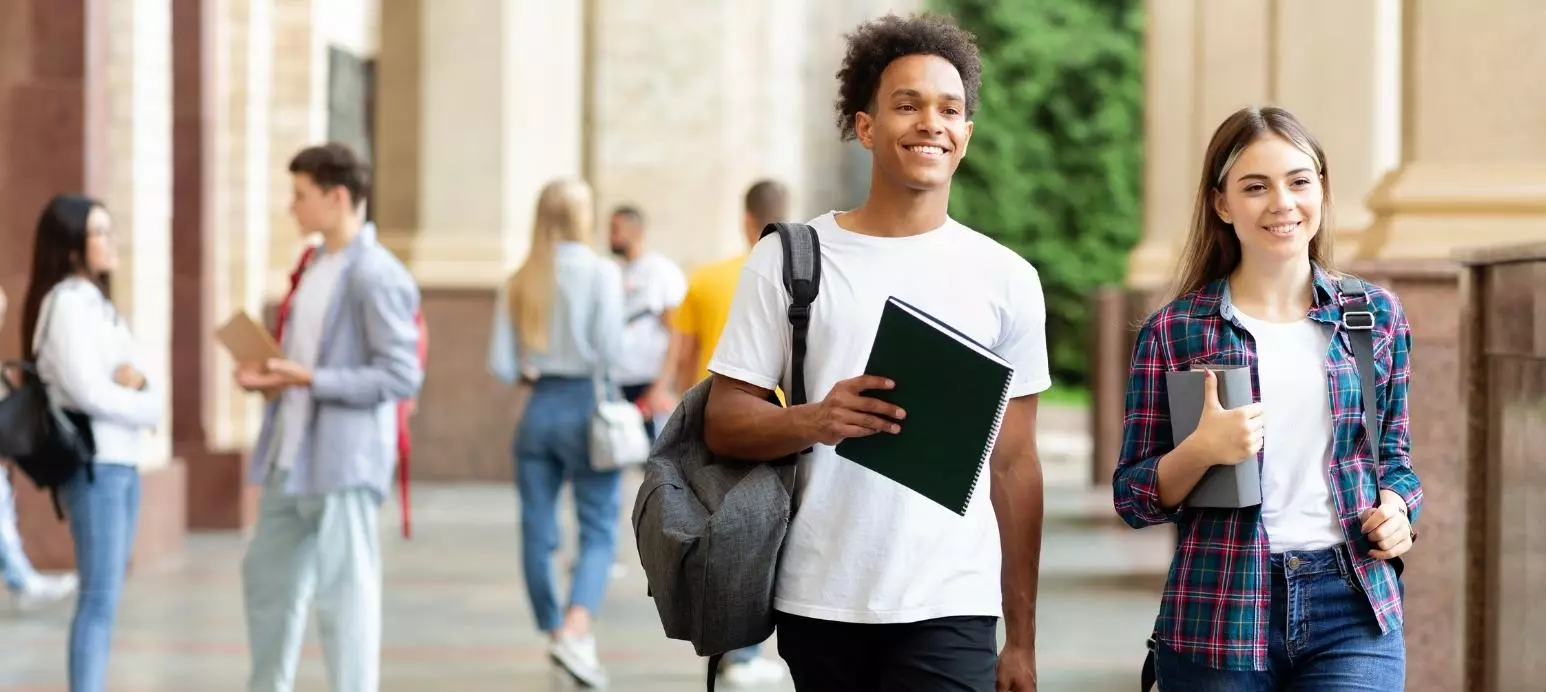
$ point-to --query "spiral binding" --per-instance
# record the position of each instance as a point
(987, 450)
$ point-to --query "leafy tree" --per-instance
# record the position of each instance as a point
(1055, 163)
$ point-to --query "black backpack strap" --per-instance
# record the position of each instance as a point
(802, 278)
(714, 669)
(1147, 679)
(1358, 320)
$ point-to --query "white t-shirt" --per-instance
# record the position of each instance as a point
(303, 344)
(652, 285)
(863, 548)
(1297, 509)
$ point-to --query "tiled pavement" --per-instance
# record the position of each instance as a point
(456, 617)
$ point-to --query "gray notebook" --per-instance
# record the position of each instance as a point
(1223, 486)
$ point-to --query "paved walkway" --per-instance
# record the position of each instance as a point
(457, 619)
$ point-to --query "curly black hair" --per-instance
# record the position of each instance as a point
(875, 44)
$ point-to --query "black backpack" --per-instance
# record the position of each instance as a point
(710, 530)
(49, 444)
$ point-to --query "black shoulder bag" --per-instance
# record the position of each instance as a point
(49, 444)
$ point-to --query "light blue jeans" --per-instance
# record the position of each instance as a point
(103, 514)
(324, 546)
(1324, 637)
(552, 447)
(14, 566)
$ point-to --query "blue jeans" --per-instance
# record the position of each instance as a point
(552, 446)
(1324, 637)
(103, 515)
(14, 565)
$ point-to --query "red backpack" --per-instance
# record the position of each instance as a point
(404, 441)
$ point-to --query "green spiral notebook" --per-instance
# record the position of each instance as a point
(954, 391)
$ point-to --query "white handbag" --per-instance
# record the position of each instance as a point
(617, 436)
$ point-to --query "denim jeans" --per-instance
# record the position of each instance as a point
(1324, 637)
(14, 566)
(551, 447)
(103, 514)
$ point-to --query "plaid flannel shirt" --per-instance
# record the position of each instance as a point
(1216, 600)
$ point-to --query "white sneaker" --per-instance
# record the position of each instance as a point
(578, 656)
(45, 590)
(758, 671)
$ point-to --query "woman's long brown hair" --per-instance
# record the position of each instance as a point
(1212, 249)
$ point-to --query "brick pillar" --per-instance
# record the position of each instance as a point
(52, 90)
(89, 107)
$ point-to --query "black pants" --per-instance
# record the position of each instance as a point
(955, 654)
(635, 392)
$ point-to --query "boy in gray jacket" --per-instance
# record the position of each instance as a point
(327, 449)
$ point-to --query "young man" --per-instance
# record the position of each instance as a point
(653, 287)
(697, 324)
(328, 445)
(879, 588)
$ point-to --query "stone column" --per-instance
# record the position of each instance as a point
(741, 65)
(224, 53)
(481, 105)
(1474, 147)
(1171, 94)
(1337, 66)
(1472, 174)
(139, 196)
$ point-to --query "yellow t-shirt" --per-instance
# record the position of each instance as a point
(706, 308)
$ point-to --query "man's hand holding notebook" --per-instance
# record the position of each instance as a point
(846, 412)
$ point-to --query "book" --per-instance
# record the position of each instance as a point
(953, 391)
(248, 342)
(1223, 485)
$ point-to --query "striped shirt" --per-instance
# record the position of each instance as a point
(1215, 605)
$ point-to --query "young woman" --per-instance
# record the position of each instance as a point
(558, 324)
(1299, 592)
(87, 358)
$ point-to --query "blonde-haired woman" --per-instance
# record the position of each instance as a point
(558, 324)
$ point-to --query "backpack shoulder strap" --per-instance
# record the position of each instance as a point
(802, 278)
(1358, 320)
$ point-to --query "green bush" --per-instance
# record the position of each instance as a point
(1055, 164)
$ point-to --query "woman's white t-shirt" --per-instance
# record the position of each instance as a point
(1297, 508)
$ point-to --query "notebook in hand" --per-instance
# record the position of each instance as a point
(953, 390)
(1222, 486)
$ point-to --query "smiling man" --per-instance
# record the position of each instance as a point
(879, 588)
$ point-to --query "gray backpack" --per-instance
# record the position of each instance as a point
(710, 530)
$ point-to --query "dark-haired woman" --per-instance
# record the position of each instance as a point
(89, 362)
